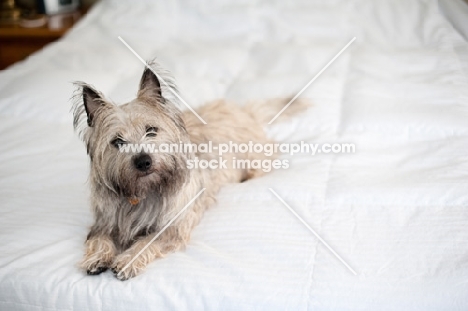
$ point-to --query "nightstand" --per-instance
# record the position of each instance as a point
(17, 43)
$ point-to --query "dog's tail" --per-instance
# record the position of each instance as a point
(272, 110)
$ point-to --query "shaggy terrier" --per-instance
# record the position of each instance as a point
(134, 195)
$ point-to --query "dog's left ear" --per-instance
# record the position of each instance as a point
(149, 85)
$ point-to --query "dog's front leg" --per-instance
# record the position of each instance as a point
(131, 262)
(100, 253)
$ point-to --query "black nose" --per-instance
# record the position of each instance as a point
(142, 162)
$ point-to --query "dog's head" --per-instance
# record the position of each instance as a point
(122, 141)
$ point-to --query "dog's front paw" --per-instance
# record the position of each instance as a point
(126, 266)
(94, 265)
(98, 269)
(99, 255)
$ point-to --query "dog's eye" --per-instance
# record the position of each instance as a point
(117, 142)
(151, 131)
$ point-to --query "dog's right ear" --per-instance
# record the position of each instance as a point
(92, 100)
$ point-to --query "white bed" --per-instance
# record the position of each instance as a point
(396, 210)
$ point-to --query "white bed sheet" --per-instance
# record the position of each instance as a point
(396, 210)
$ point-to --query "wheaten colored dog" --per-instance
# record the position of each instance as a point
(135, 195)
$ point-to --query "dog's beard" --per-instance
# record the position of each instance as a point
(165, 176)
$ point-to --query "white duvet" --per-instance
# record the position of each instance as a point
(396, 210)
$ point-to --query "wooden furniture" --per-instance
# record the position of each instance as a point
(17, 43)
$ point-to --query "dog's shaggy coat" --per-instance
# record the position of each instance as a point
(133, 196)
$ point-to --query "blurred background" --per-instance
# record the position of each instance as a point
(32, 3)
(28, 25)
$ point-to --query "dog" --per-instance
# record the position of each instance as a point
(135, 195)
